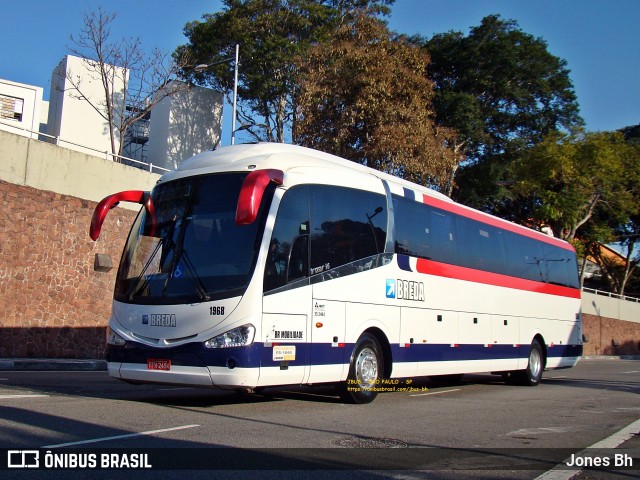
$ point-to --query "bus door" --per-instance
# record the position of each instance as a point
(287, 295)
(347, 232)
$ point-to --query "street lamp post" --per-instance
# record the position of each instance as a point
(235, 95)
(203, 66)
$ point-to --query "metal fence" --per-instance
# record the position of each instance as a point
(610, 295)
(106, 154)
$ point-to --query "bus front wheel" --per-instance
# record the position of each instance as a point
(365, 371)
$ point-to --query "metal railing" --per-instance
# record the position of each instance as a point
(107, 155)
(611, 295)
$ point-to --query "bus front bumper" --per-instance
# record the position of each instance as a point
(212, 377)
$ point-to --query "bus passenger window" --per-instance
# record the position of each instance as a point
(424, 231)
(346, 225)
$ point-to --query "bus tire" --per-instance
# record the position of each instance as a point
(365, 372)
(532, 375)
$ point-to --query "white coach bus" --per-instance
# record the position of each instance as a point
(270, 264)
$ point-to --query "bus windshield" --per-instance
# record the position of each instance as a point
(193, 250)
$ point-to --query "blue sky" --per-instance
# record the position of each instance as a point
(600, 39)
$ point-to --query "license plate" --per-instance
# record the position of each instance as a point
(158, 364)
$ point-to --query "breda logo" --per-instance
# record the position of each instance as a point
(405, 290)
(159, 319)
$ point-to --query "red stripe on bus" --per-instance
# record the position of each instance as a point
(493, 221)
(479, 276)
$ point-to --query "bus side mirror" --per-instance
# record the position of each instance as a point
(107, 203)
(252, 191)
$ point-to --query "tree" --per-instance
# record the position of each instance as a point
(567, 179)
(364, 96)
(628, 234)
(271, 33)
(587, 188)
(503, 92)
(616, 272)
(146, 78)
(631, 134)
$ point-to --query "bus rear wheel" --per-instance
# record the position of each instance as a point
(531, 375)
(365, 372)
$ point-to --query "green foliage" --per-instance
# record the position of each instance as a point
(331, 75)
(271, 33)
(587, 187)
(503, 92)
(631, 134)
(570, 180)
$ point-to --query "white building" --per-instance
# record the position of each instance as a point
(76, 95)
(186, 123)
(20, 108)
(181, 125)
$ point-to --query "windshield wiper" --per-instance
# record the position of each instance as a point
(200, 288)
(134, 287)
(180, 252)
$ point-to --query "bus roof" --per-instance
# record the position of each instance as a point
(280, 156)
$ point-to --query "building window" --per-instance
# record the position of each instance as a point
(11, 108)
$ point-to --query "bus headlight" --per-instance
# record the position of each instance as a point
(236, 337)
(114, 339)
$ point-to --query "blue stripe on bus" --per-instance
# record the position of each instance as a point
(445, 352)
(256, 355)
(403, 263)
(558, 351)
(409, 193)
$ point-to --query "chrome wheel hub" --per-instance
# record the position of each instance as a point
(366, 368)
(535, 363)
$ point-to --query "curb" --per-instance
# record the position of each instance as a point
(52, 364)
(610, 357)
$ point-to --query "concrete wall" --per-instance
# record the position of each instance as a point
(605, 306)
(56, 169)
(610, 326)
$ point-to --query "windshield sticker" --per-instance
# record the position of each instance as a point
(178, 272)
